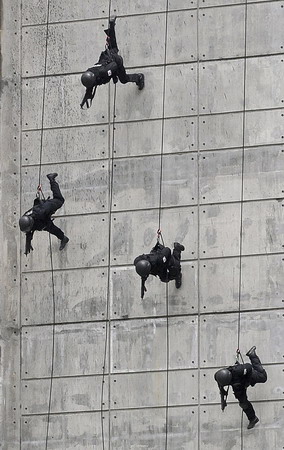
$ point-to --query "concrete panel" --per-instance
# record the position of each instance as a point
(130, 240)
(126, 287)
(185, 299)
(125, 291)
(65, 431)
(142, 428)
(220, 131)
(72, 303)
(34, 11)
(221, 86)
(181, 90)
(132, 104)
(68, 144)
(260, 328)
(224, 37)
(180, 225)
(219, 285)
(138, 390)
(220, 176)
(262, 282)
(206, 3)
(84, 186)
(33, 61)
(183, 387)
(225, 428)
(264, 82)
(181, 4)
(216, 428)
(68, 395)
(220, 230)
(272, 390)
(78, 350)
(60, 12)
(263, 230)
(145, 428)
(270, 430)
(138, 345)
(179, 183)
(183, 342)
(263, 172)
(218, 339)
(265, 34)
(180, 135)
(138, 40)
(135, 185)
(183, 428)
(88, 245)
(136, 138)
(127, 7)
(62, 103)
(181, 23)
(85, 42)
(264, 127)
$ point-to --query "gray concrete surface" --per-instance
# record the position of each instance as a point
(183, 154)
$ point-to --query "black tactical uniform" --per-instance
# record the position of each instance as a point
(244, 375)
(109, 66)
(41, 213)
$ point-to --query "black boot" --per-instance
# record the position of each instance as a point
(251, 352)
(63, 242)
(52, 176)
(178, 280)
(179, 247)
(141, 81)
(252, 423)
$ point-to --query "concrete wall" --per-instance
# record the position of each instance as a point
(183, 154)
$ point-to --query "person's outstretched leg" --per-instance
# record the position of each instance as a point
(259, 374)
(110, 32)
(245, 404)
(52, 205)
(53, 229)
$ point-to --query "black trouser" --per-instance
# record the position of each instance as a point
(121, 72)
(241, 395)
(50, 206)
(174, 266)
(259, 375)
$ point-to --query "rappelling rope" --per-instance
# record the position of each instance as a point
(159, 226)
(53, 344)
(111, 126)
(43, 95)
(39, 194)
(242, 194)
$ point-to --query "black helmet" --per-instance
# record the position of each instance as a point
(223, 377)
(143, 268)
(88, 79)
(26, 223)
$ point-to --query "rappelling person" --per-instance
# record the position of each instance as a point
(110, 66)
(38, 218)
(240, 376)
(160, 262)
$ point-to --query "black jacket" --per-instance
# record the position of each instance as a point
(159, 258)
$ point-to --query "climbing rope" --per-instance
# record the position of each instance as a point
(242, 196)
(40, 195)
(159, 226)
(52, 344)
(111, 126)
(44, 88)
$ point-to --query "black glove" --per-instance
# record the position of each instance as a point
(28, 247)
(223, 403)
(143, 288)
